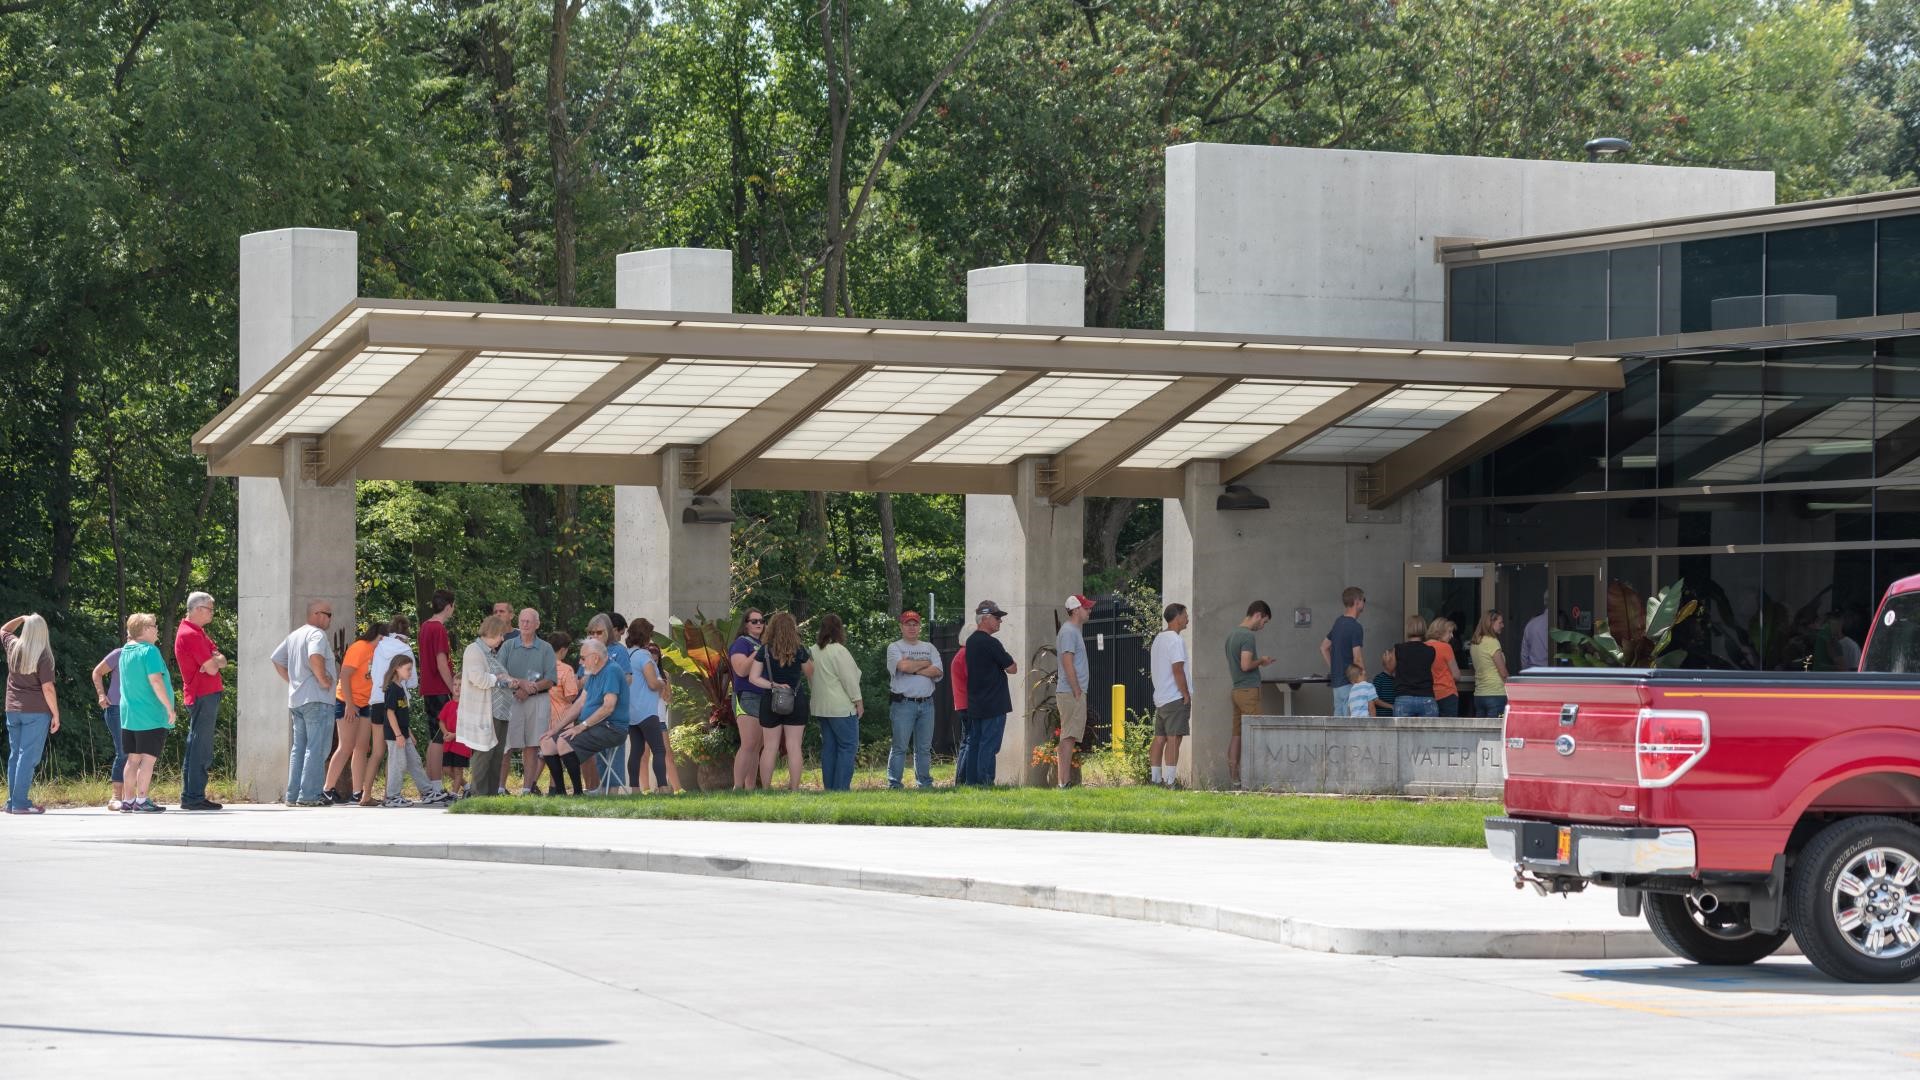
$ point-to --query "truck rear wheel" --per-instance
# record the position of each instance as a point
(1722, 936)
(1854, 900)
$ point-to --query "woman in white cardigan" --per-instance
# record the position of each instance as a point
(486, 696)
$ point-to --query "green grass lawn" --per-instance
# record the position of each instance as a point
(1084, 809)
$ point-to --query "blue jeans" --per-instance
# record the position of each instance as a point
(1340, 698)
(1411, 705)
(112, 714)
(1447, 706)
(26, 739)
(983, 748)
(839, 738)
(912, 730)
(1489, 704)
(312, 741)
(203, 716)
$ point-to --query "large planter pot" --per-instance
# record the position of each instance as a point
(715, 777)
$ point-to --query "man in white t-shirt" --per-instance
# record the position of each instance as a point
(1172, 696)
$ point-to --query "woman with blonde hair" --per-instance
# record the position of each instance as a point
(1489, 666)
(146, 711)
(486, 704)
(1446, 667)
(33, 712)
(776, 672)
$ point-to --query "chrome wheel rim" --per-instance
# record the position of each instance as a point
(1876, 903)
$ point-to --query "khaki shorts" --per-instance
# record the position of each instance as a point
(1073, 716)
(528, 721)
(1173, 718)
(1246, 702)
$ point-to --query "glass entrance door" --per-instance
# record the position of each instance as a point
(1558, 595)
(1456, 591)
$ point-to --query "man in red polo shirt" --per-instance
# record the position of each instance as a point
(437, 683)
(200, 664)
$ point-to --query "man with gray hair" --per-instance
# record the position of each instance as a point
(529, 659)
(597, 720)
(305, 661)
(200, 664)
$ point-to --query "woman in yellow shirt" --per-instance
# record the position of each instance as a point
(1489, 666)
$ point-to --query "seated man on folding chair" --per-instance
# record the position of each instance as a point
(597, 719)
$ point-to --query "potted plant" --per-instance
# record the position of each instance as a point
(705, 739)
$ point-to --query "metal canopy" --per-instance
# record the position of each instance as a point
(421, 390)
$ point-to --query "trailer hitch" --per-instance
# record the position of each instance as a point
(1547, 886)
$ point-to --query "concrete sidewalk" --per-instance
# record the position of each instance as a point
(1367, 899)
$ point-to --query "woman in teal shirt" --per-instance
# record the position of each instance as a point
(146, 710)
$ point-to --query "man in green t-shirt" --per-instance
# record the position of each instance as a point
(1243, 665)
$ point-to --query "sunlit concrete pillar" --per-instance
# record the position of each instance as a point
(296, 537)
(661, 565)
(1023, 552)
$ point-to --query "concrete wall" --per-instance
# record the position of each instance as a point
(296, 537)
(1401, 755)
(1299, 553)
(1340, 243)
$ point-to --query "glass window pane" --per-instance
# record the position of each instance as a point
(1470, 304)
(1709, 520)
(1820, 273)
(1899, 255)
(1467, 533)
(1819, 516)
(1629, 581)
(1550, 527)
(1630, 523)
(1710, 409)
(1896, 513)
(1819, 411)
(1889, 566)
(1553, 301)
(1896, 409)
(1473, 480)
(1632, 414)
(1562, 456)
(1633, 293)
(1817, 607)
(1710, 284)
(1721, 633)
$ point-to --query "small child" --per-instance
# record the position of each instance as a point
(1361, 694)
(455, 755)
(403, 758)
(1384, 686)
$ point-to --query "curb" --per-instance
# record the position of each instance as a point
(1284, 930)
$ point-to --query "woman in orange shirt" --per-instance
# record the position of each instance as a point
(351, 721)
(1446, 667)
(566, 687)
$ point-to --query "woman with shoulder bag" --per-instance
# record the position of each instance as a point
(776, 672)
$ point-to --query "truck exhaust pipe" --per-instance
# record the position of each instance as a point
(1705, 901)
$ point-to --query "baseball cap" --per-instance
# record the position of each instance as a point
(909, 616)
(1076, 602)
(988, 607)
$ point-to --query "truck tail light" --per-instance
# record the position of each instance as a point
(1668, 743)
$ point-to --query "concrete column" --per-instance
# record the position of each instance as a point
(296, 537)
(1299, 554)
(662, 566)
(1022, 551)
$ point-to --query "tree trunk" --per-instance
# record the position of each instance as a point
(1108, 518)
(176, 596)
(560, 152)
(890, 553)
(60, 515)
(112, 459)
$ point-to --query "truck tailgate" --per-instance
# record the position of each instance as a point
(1570, 749)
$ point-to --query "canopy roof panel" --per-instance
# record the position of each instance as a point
(440, 391)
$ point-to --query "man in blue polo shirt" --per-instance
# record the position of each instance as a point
(599, 719)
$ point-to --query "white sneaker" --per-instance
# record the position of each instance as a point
(398, 801)
(113, 805)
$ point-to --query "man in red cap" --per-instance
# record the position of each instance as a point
(1070, 686)
(913, 667)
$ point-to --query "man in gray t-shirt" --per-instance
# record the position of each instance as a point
(305, 660)
(1070, 685)
(913, 667)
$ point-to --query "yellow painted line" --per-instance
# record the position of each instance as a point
(1788, 694)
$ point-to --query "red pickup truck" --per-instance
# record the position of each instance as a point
(1732, 808)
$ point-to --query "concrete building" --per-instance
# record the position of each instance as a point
(1305, 356)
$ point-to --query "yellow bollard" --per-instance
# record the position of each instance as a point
(1119, 714)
